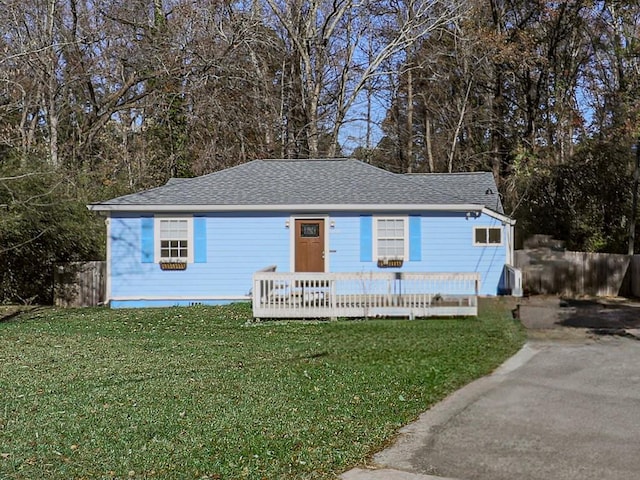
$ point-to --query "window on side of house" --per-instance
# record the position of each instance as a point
(487, 236)
(391, 238)
(174, 239)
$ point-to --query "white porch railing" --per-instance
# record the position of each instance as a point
(373, 294)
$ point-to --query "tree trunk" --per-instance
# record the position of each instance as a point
(427, 143)
(454, 142)
(52, 107)
(409, 164)
(634, 201)
(497, 127)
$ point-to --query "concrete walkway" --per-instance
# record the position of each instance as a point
(557, 410)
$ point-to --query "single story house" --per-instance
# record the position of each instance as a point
(200, 240)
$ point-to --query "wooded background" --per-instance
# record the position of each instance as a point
(105, 97)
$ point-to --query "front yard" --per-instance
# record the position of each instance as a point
(197, 393)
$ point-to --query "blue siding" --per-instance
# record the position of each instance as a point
(235, 248)
(230, 248)
(166, 303)
(446, 245)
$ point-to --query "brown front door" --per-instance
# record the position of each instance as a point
(309, 245)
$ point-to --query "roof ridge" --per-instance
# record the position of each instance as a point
(331, 159)
(479, 172)
(382, 170)
(443, 192)
(227, 169)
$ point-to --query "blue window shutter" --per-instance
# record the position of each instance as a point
(366, 238)
(147, 240)
(415, 238)
(200, 240)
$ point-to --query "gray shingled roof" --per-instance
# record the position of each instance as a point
(471, 187)
(315, 182)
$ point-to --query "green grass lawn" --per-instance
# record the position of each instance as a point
(197, 393)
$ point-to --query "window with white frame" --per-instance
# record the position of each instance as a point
(487, 236)
(391, 238)
(174, 239)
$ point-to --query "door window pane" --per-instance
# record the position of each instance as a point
(309, 230)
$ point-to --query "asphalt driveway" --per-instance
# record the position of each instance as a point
(562, 409)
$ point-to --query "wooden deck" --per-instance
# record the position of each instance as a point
(367, 294)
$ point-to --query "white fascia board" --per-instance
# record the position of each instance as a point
(98, 207)
(499, 216)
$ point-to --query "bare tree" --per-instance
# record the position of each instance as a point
(336, 61)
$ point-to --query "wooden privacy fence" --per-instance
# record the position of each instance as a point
(372, 294)
(79, 284)
(545, 271)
